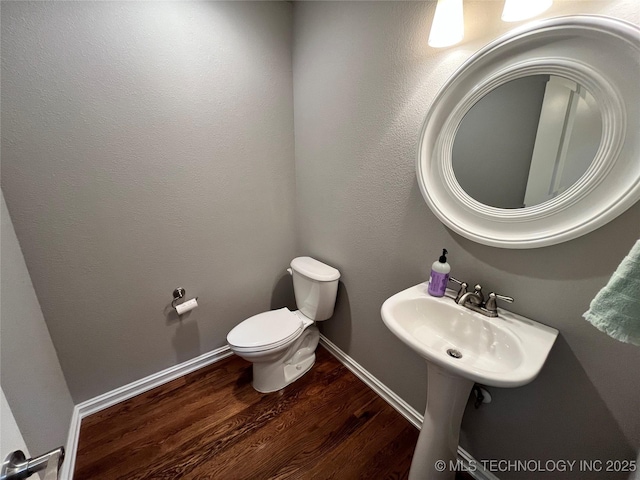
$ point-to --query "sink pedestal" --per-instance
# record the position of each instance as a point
(447, 397)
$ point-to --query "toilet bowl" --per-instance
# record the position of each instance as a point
(281, 343)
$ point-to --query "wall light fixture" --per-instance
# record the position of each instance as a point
(447, 27)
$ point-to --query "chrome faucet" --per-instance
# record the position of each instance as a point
(475, 300)
(472, 299)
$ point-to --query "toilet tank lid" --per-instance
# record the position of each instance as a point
(315, 270)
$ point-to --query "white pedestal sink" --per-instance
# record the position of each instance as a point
(461, 347)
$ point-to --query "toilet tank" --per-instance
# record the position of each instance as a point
(315, 285)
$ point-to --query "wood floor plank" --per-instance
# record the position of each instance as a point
(310, 418)
(263, 416)
(147, 438)
(318, 442)
(394, 459)
(351, 456)
(154, 401)
(211, 424)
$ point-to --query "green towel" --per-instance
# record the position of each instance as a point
(615, 310)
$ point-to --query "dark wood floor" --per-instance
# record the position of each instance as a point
(212, 424)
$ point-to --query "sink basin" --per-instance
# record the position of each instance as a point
(461, 347)
(506, 351)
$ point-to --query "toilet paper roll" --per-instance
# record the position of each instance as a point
(187, 306)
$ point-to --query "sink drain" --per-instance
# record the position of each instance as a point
(452, 352)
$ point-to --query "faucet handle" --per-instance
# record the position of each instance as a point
(478, 291)
(491, 304)
(463, 287)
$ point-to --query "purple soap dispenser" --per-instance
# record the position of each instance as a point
(439, 276)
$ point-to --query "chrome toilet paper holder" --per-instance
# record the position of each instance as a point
(178, 294)
(16, 466)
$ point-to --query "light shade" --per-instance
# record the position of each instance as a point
(448, 24)
(516, 10)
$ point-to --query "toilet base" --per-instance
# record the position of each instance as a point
(276, 374)
(267, 382)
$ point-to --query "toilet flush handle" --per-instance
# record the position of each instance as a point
(289, 271)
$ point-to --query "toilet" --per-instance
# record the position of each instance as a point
(281, 344)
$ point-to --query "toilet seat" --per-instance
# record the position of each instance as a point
(266, 331)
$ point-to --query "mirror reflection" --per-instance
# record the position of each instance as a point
(526, 141)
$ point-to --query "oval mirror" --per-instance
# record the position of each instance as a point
(534, 137)
(532, 141)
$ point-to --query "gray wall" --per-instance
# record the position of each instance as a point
(147, 146)
(492, 151)
(30, 373)
(363, 80)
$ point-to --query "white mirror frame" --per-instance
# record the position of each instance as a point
(601, 53)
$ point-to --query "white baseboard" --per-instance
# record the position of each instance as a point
(406, 410)
(71, 448)
(126, 392)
